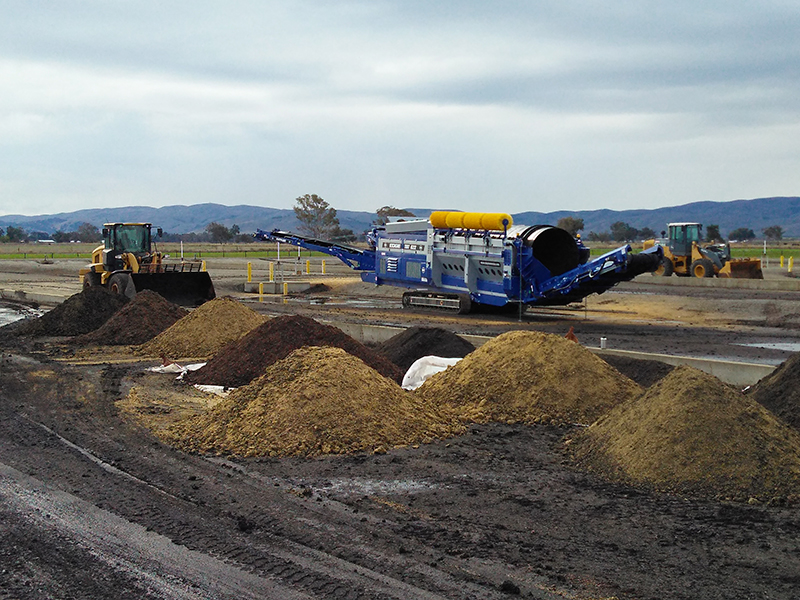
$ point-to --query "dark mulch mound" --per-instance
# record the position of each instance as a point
(139, 321)
(78, 314)
(239, 362)
(416, 342)
(779, 392)
(642, 371)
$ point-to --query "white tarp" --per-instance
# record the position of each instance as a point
(425, 367)
(176, 368)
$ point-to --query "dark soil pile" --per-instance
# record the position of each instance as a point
(139, 321)
(780, 391)
(530, 377)
(246, 359)
(204, 331)
(78, 314)
(691, 433)
(416, 342)
(317, 400)
(642, 371)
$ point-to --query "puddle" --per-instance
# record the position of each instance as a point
(10, 314)
(782, 346)
(374, 486)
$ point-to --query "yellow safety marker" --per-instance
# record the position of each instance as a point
(285, 289)
(249, 272)
(203, 267)
(791, 263)
(261, 288)
(308, 267)
(323, 267)
(272, 271)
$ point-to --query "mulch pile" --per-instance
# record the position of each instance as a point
(78, 314)
(204, 331)
(414, 343)
(643, 371)
(780, 391)
(530, 377)
(317, 400)
(691, 433)
(139, 321)
(244, 360)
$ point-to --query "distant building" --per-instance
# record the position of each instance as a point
(45, 241)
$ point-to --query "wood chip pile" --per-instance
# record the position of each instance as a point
(530, 377)
(780, 391)
(691, 433)
(317, 400)
(204, 331)
(415, 342)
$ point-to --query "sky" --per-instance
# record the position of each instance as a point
(484, 106)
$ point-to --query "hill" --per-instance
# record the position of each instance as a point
(754, 214)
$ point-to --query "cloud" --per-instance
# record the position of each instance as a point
(579, 104)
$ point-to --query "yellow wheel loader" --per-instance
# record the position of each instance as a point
(684, 256)
(128, 262)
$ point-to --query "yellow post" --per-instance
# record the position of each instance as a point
(308, 267)
(285, 289)
(272, 271)
(261, 288)
(781, 261)
(791, 263)
(204, 266)
(323, 267)
(250, 272)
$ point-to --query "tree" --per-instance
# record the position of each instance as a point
(570, 224)
(342, 235)
(622, 232)
(88, 233)
(385, 212)
(603, 236)
(60, 237)
(16, 234)
(317, 218)
(743, 233)
(713, 234)
(773, 232)
(218, 232)
(646, 233)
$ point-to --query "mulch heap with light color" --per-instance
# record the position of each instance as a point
(317, 400)
(780, 391)
(247, 358)
(138, 322)
(530, 377)
(690, 433)
(204, 331)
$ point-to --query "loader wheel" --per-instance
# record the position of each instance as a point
(702, 267)
(121, 284)
(665, 269)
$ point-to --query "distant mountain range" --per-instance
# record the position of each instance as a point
(753, 214)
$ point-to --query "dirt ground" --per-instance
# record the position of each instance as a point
(94, 506)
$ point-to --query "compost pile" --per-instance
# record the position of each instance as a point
(204, 331)
(643, 371)
(530, 377)
(78, 314)
(414, 343)
(780, 391)
(691, 433)
(246, 359)
(317, 400)
(139, 321)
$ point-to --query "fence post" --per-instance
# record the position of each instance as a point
(249, 272)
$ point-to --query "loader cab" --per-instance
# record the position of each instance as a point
(121, 238)
(681, 237)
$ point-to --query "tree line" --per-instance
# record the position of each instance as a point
(620, 231)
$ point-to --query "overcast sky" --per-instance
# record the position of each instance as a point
(485, 106)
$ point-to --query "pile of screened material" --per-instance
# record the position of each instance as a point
(317, 400)
(414, 343)
(690, 433)
(244, 360)
(530, 377)
(139, 321)
(78, 314)
(780, 391)
(204, 331)
(643, 371)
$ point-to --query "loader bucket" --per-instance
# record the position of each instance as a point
(184, 288)
(742, 268)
